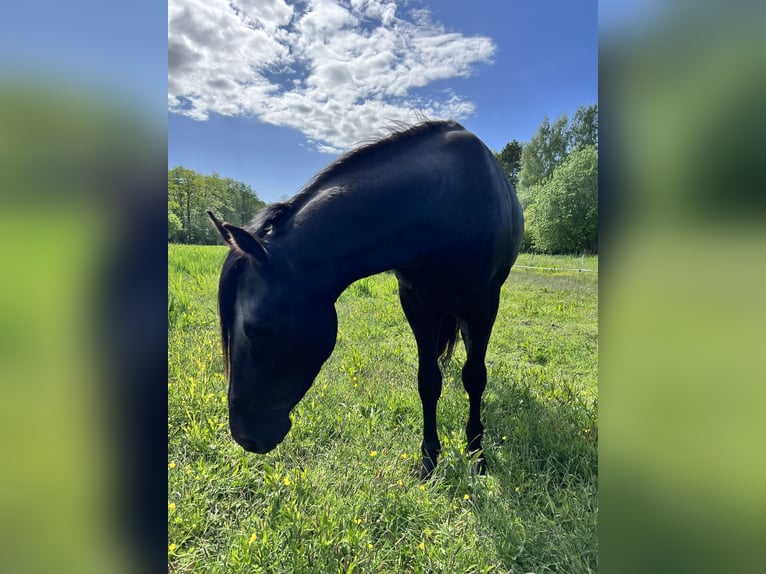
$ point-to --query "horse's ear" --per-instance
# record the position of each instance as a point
(245, 242)
(239, 239)
(219, 227)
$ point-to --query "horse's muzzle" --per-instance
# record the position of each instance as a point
(260, 438)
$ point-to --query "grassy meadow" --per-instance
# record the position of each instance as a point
(341, 493)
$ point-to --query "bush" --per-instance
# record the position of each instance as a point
(562, 217)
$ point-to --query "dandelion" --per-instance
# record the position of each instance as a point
(252, 538)
(404, 455)
(172, 464)
(287, 481)
(466, 497)
(357, 520)
(369, 545)
(373, 453)
(400, 483)
(422, 545)
(172, 547)
(171, 506)
(422, 487)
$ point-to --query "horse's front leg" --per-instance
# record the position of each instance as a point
(426, 326)
(474, 381)
(430, 388)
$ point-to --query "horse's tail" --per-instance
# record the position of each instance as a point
(448, 337)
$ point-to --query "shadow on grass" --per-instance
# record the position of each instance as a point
(538, 502)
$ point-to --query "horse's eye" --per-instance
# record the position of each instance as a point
(256, 330)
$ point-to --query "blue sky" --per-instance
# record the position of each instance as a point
(270, 91)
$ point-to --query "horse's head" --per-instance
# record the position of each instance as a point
(275, 338)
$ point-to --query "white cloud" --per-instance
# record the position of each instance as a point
(337, 70)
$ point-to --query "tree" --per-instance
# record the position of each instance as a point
(544, 152)
(175, 227)
(583, 130)
(564, 215)
(552, 143)
(183, 192)
(190, 194)
(510, 160)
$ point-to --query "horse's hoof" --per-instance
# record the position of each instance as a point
(427, 468)
(478, 463)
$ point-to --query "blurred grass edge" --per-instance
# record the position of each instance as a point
(682, 309)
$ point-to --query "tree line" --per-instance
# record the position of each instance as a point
(555, 175)
(556, 179)
(191, 193)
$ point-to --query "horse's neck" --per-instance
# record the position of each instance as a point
(342, 238)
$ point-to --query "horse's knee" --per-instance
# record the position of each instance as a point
(429, 383)
(474, 377)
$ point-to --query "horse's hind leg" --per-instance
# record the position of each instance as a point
(426, 327)
(477, 321)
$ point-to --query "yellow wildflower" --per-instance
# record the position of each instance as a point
(287, 481)
(171, 506)
(466, 497)
(422, 545)
(172, 464)
(252, 538)
(172, 547)
(373, 453)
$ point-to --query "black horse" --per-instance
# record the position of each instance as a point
(429, 202)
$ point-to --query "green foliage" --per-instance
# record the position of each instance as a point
(547, 149)
(341, 493)
(558, 192)
(175, 227)
(564, 215)
(552, 143)
(583, 130)
(190, 194)
(510, 160)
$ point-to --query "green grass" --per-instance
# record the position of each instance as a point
(341, 493)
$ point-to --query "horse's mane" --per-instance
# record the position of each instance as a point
(274, 214)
